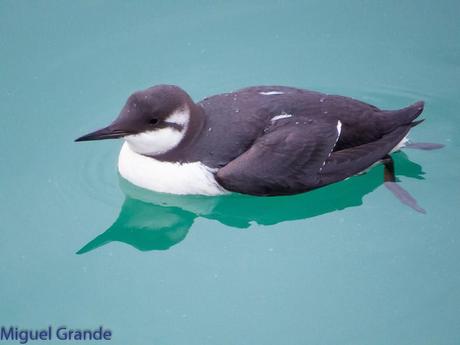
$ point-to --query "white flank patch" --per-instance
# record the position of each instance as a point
(279, 117)
(269, 93)
(400, 145)
(166, 177)
(161, 140)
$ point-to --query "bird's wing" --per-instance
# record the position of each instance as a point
(344, 163)
(285, 160)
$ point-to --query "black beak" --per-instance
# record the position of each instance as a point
(104, 133)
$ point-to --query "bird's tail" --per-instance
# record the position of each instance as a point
(407, 116)
(393, 119)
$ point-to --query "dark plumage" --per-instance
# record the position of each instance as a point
(262, 157)
(269, 140)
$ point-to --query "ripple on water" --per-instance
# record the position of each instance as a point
(393, 97)
(380, 95)
(97, 174)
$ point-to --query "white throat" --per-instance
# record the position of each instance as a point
(161, 140)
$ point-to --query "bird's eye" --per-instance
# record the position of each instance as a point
(153, 121)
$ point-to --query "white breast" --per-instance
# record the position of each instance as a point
(165, 177)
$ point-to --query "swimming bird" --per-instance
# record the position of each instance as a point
(261, 140)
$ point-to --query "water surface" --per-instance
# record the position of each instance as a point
(346, 264)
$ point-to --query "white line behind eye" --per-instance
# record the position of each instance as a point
(181, 116)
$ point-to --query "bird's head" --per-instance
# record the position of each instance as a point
(153, 121)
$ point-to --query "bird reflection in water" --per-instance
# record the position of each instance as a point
(157, 221)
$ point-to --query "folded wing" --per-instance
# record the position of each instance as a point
(287, 159)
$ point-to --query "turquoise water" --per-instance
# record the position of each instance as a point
(346, 264)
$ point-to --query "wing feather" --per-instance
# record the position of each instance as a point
(285, 160)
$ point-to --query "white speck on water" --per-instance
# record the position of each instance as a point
(297, 122)
(209, 129)
(237, 110)
(325, 112)
(281, 116)
(321, 99)
(269, 93)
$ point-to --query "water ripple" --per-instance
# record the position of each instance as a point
(98, 174)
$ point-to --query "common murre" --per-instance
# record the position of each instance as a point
(262, 140)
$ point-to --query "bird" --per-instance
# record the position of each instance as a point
(259, 140)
